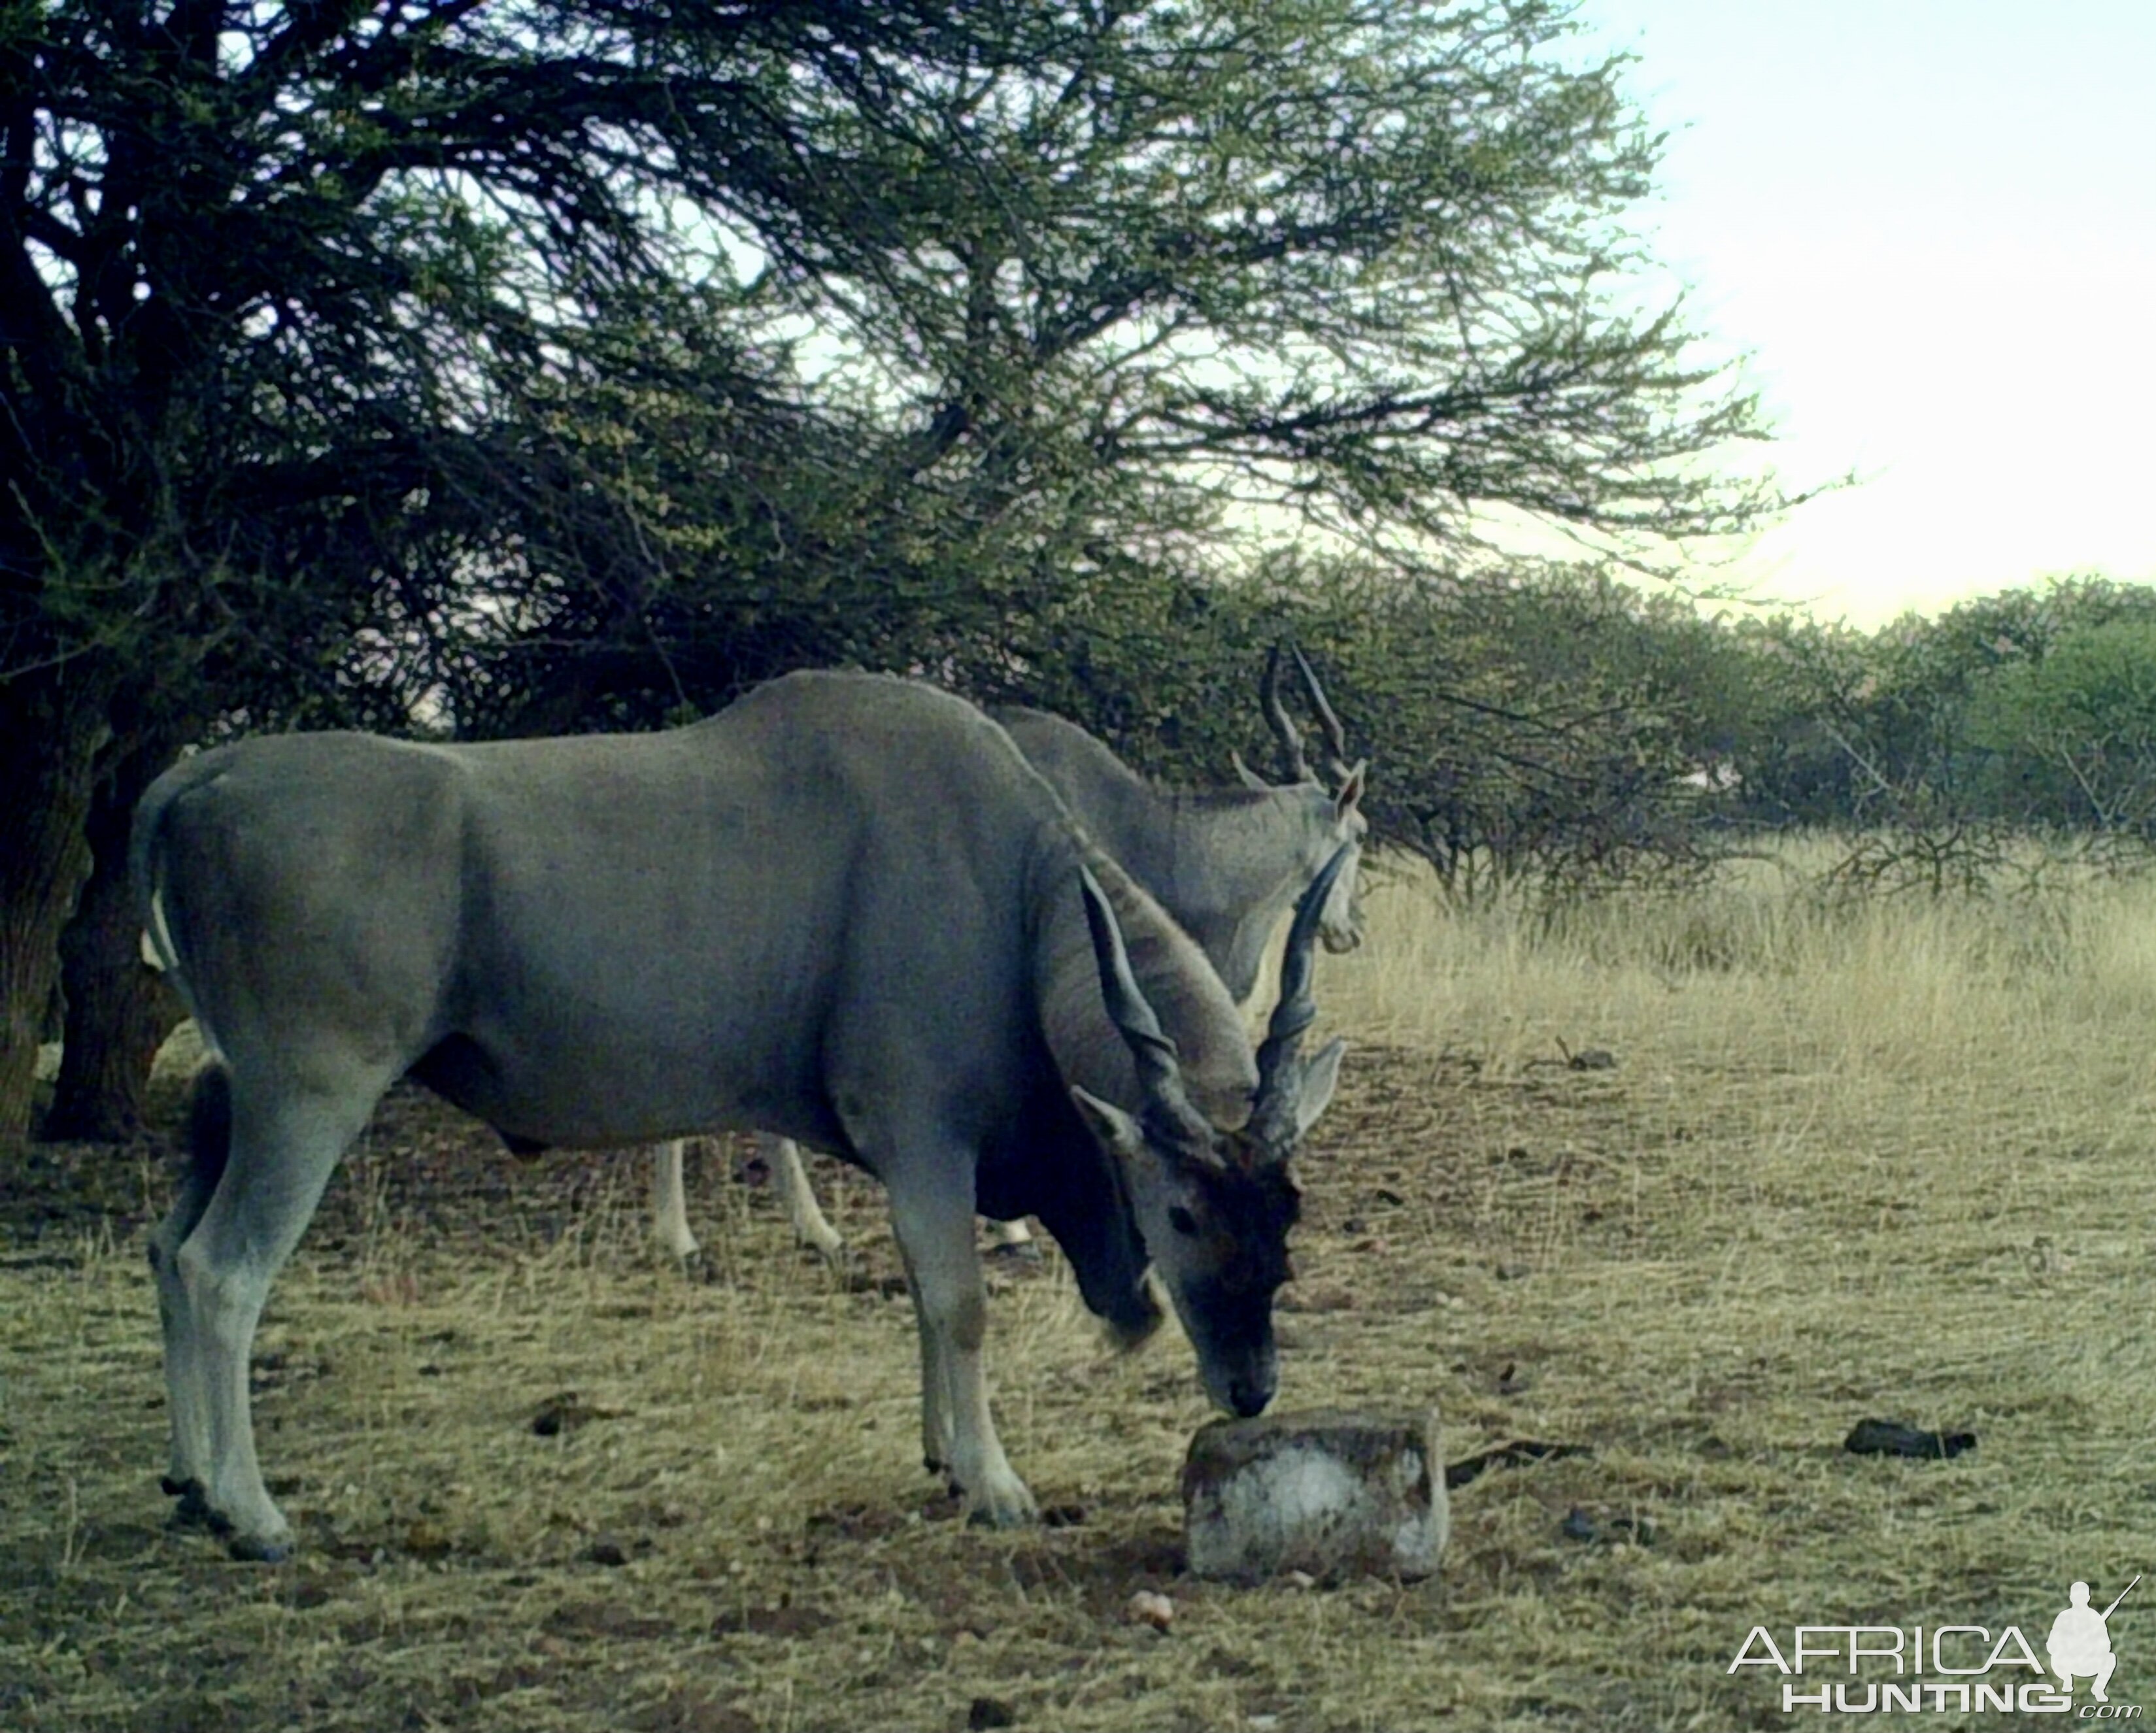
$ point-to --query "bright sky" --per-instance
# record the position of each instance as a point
(1933, 224)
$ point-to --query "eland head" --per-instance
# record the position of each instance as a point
(1214, 1202)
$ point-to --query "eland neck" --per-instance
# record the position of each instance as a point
(1195, 1008)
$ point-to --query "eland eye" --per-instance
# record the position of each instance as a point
(1181, 1221)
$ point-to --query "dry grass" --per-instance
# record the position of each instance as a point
(1889, 1160)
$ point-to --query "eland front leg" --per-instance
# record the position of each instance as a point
(934, 1227)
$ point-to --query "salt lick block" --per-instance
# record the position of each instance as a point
(1330, 1491)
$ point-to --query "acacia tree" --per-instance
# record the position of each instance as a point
(1144, 279)
(339, 340)
(266, 276)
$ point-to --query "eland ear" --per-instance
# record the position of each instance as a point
(1350, 794)
(1319, 1078)
(1113, 1129)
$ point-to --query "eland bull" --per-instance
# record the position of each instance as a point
(845, 910)
(1226, 863)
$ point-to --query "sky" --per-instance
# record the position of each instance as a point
(1932, 223)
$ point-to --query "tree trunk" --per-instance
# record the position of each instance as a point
(119, 1009)
(53, 728)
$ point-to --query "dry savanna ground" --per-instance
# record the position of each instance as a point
(1887, 1161)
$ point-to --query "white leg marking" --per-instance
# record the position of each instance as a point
(285, 1145)
(783, 1159)
(935, 1233)
(190, 1457)
(935, 1446)
(669, 1201)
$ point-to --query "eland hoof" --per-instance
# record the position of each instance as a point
(1004, 1503)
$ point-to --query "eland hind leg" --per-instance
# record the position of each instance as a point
(670, 1201)
(284, 1142)
(783, 1157)
(209, 1137)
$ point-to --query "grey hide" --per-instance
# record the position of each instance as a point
(845, 909)
(1226, 863)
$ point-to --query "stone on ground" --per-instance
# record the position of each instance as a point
(1333, 1492)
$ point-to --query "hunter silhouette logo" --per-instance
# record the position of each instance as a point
(2079, 1644)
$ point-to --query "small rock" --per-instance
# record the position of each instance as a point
(566, 1413)
(1300, 1579)
(1578, 1526)
(1513, 1271)
(1330, 1492)
(986, 1712)
(1891, 1438)
(1148, 1607)
(606, 1551)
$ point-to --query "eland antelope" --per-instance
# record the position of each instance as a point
(845, 909)
(1226, 863)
